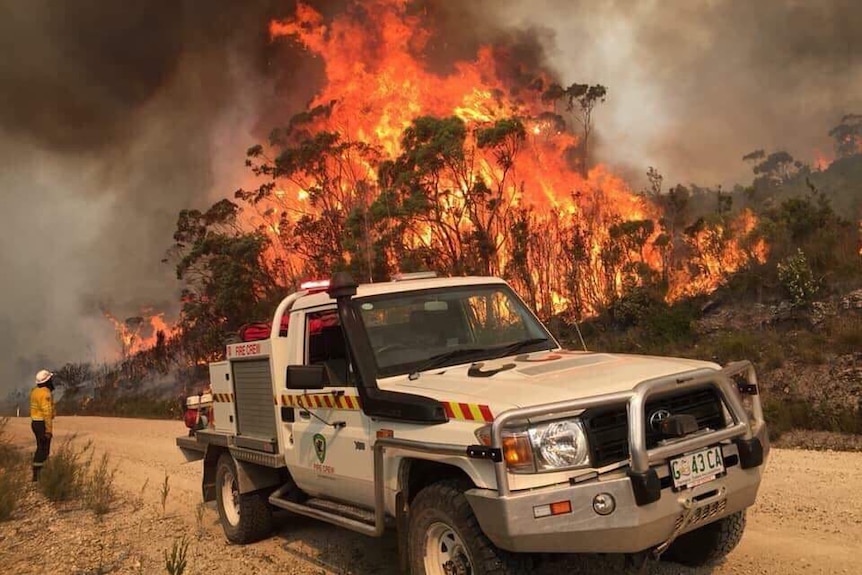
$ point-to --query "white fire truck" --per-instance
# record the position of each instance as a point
(443, 410)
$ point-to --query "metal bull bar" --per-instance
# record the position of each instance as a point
(635, 400)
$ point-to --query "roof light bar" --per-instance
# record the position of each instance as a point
(314, 286)
(414, 276)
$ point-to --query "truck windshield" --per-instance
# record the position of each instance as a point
(414, 331)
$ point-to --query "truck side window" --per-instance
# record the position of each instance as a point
(326, 345)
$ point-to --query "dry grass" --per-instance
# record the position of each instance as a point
(13, 474)
(71, 474)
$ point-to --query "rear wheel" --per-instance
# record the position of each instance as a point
(245, 517)
(444, 537)
(709, 543)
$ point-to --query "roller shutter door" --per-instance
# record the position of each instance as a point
(254, 404)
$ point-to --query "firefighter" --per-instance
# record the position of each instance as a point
(42, 416)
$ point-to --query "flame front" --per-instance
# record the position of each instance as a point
(140, 333)
(379, 83)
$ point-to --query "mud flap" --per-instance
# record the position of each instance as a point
(253, 477)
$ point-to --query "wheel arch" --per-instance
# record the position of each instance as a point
(414, 474)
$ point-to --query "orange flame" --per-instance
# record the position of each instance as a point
(380, 83)
(822, 161)
(140, 333)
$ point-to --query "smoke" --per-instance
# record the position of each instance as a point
(695, 85)
(113, 117)
(116, 115)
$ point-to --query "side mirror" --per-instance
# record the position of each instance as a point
(306, 377)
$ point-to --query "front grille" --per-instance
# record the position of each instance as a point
(607, 428)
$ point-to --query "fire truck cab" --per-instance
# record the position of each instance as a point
(442, 409)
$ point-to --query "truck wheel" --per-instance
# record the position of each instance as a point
(709, 543)
(444, 537)
(245, 517)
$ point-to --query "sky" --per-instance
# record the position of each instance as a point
(114, 116)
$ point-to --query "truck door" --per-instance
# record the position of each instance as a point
(332, 446)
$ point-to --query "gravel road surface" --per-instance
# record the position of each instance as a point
(808, 519)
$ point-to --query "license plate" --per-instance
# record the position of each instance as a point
(696, 468)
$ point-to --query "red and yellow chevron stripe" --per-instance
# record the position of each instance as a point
(322, 401)
(468, 411)
(223, 397)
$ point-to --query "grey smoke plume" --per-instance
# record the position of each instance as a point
(695, 85)
(116, 115)
(113, 117)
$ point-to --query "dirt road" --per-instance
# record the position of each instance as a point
(808, 518)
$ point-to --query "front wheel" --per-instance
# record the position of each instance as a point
(245, 517)
(709, 543)
(444, 537)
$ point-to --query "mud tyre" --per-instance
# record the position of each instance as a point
(245, 517)
(708, 544)
(444, 537)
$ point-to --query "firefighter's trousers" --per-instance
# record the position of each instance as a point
(43, 447)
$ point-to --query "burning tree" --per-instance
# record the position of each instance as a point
(395, 167)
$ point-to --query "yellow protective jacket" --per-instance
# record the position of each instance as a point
(42, 407)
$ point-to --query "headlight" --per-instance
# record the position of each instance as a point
(559, 445)
(551, 446)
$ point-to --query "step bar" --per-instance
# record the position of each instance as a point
(377, 528)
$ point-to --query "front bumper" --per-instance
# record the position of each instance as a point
(648, 511)
(509, 521)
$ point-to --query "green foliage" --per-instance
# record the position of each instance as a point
(797, 280)
(642, 322)
(12, 475)
(806, 223)
(735, 345)
(785, 414)
(229, 280)
(176, 561)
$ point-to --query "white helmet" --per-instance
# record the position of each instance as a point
(43, 376)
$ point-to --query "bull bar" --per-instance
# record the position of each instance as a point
(641, 457)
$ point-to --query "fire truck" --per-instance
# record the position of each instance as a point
(443, 412)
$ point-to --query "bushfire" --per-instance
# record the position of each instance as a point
(589, 236)
(480, 166)
(139, 333)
